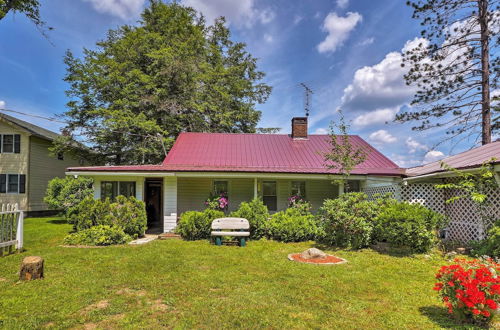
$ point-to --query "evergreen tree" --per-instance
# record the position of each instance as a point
(455, 66)
(145, 84)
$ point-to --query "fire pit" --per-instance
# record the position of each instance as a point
(316, 256)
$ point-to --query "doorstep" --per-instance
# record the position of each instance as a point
(143, 240)
(164, 236)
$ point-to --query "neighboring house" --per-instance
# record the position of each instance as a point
(244, 166)
(26, 165)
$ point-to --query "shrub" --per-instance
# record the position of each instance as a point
(491, 245)
(128, 214)
(292, 225)
(408, 225)
(194, 225)
(470, 289)
(257, 215)
(348, 220)
(66, 193)
(98, 235)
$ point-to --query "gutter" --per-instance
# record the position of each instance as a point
(447, 174)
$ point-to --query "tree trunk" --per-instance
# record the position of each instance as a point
(485, 74)
(31, 269)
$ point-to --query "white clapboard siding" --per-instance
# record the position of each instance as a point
(170, 203)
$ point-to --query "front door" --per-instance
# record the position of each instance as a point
(154, 205)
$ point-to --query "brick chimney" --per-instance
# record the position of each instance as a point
(299, 127)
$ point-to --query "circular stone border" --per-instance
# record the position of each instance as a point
(311, 262)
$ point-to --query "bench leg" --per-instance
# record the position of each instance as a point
(243, 242)
(218, 241)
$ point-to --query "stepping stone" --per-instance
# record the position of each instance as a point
(142, 240)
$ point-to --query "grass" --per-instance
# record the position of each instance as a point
(181, 284)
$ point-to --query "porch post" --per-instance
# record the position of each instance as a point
(255, 193)
(341, 188)
(169, 203)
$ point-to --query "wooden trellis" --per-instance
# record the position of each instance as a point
(465, 219)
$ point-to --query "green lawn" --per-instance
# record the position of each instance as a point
(197, 285)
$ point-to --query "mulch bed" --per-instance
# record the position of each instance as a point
(329, 260)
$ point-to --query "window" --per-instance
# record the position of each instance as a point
(299, 189)
(60, 156)
(220, 187)
(10, 143)
(13, 183)
(111, 189)
(269, 196)
(353, 186)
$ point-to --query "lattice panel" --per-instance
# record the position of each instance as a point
(394, 190)
(425, 194)
(465, 221)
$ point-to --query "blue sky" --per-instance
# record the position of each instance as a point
(347, 51)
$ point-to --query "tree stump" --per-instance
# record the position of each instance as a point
(31, 269)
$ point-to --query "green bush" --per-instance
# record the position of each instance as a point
(194, 225)
(66, 193)
(292, 225)
(408, 225)
(489, 246)
(348, 220)
(100, 235)
(257, 215)
(129, 214)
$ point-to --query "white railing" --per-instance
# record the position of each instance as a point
(11, 228)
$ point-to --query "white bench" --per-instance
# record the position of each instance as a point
(236, 227)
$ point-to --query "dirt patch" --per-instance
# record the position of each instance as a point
(2, 279)
(328, 260)
(131, 292)
(97, 306)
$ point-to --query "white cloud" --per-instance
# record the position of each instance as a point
(124, 9)
(382, 137)
(338, 29)
(414, 146)
(321, 130)
(432, 156)
(379, 91)
(297, 19)
(367, 41)
(405, 161)
(2, 104)
(268, 38)
(378, 116)
(240, 13)
(342, 3)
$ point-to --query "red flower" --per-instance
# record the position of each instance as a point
(491, 304)
(476, 311)
(486, 313)
(450, 283)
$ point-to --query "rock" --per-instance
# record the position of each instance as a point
(461, 250)
(427, 256)
(313, 253)
(450, 255)
(31, 268)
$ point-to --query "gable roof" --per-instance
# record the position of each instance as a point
(32, 129)
(264, 153)
(468, 159)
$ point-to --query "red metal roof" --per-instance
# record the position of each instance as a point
(271, 153)
(468, 159)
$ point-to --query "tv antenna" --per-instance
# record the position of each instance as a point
(307, 98)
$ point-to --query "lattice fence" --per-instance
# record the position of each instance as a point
(465, 221)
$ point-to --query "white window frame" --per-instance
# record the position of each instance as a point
(220, 180)
(304, 196)
(118, 187)
(13, 144)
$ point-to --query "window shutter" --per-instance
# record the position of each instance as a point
(22, 183)
(17, 143)
(3, 183)
(0, 143)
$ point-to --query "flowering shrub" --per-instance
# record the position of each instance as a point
(294, 200)
(470, 289)
(217, 202)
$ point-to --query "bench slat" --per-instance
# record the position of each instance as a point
(230, 223)
(231, 233)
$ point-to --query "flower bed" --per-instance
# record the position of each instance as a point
(470, 289)
(328, 260)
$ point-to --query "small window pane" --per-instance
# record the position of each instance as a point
(271, 202)
(109, 189)
(8, 143)
(127, 189)
(353, 186)
(299, 188)
(269, 188)
(220, 187)
(13, 183)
